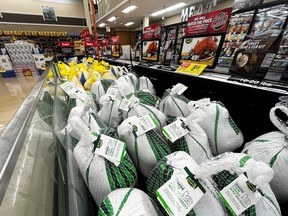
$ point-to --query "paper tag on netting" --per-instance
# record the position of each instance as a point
(124, 105)
(144, 124)
(112, 92)
(111, 149)
(175, 130)
(178, 89)
(240, 195)
(180, 194)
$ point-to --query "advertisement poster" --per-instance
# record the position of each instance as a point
(115, 40)
(116, 50)
(237, 30)
(5, 63)
(49, 13)
(208, 23)
(256, 54)
(90, 47)
(152, 32)
(66, 47)
(150, 50)
(202, 49)
(270, 18)
(243, 4)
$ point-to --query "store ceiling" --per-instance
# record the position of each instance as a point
(145, 8)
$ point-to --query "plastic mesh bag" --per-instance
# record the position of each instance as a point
(145, 150)
(174, 164)
(128, 202)
(214, 118)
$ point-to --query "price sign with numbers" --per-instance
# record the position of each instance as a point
(192, 68)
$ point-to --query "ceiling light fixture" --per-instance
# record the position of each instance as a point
(112, 19)
(129, 9)
(171, 8)
(102, 24)
(129, 23)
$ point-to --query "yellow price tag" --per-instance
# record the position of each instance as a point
(192, 68)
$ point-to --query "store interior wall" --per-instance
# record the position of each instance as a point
(63, 8)
(126, 37)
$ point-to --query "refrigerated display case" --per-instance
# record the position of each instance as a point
(39, 175)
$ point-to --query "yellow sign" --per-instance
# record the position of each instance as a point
(195, 69)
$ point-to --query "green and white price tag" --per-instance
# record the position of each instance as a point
(238, 197)
(111, 149)
(175, 130)
(144, 124)
(179, 89)
(124, 105)
(180, 194)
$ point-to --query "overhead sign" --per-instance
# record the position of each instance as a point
(152, 32)
(65, 44)
(213, 22)
(197, 9)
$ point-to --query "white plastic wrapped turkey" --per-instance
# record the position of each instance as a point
(225, 168)
(173, 164)
(272, 148)
(139, 109)
(144, 83)
(101, 176)
(128, 202)
(195, 143)
(173, 104)
(215, 120)
(99, 88)
(147, 149)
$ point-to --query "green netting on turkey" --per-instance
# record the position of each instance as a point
(100, 123)
(147, 98)
(158, 177)
(180, 145)
(223, 179)
(71, 103)
(45, 112)
(159, 151)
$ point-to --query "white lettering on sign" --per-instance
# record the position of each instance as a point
(198, 9)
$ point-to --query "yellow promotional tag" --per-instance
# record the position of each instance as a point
(192, 68)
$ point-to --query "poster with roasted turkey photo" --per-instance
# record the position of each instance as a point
(201, 49)
(150, 50)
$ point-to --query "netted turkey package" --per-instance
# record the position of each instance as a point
(145, 149)
(213, 117)
(128, 201)
(272, 148)
(101, 175)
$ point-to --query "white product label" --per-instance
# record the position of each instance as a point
(268, 60)
(168, 55)
(180, 194)
(137, 53)
(82, 96)
(178, 89)
(175, 130)
(144, 124)
(69, 88)
(112, 92)
(238, 197)
(111, 149)
(124, 105)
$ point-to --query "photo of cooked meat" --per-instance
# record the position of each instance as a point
(242, 61)
(205, 48)
(152, 49)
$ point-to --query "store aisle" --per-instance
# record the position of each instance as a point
(12, 93)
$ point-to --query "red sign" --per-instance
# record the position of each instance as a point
(104, 41)
(85, 33)
(115, 40)
(65, 44)
(207, 23)
(152, 32)
(89, 44)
